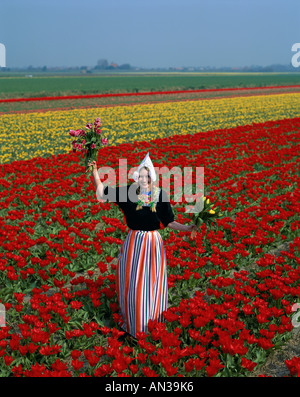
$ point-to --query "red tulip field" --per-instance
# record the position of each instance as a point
(233, 291)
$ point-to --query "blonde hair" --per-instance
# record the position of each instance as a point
(138, 190)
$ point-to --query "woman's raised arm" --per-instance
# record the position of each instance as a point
(97, 181)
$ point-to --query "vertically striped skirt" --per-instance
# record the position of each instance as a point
(141, 280)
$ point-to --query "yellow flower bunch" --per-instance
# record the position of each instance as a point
(207, 215)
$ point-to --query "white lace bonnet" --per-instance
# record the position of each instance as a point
(145, 163)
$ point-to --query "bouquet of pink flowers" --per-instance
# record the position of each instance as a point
(89, 141)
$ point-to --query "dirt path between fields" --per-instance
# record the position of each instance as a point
(71, 104)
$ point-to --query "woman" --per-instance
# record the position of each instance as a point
(141, 275)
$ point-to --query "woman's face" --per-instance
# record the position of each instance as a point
(144, 179)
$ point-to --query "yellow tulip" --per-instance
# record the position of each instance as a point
(207, 201)
(212, 212)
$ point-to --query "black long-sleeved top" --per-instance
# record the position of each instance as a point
(143, 219)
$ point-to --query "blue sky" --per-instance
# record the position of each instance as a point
(149, 33)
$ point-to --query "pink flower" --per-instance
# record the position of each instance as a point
(104, 141)
(79, 146)
(75, 133)
(89, 126)
(93, 146)
(97, 122)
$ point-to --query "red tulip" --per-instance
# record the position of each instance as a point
(8, 360)
(76, 364)
(248, 364)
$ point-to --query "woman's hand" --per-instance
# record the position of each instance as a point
(93, 165)
(191, 228)
(183, 228)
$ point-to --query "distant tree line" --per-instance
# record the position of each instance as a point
(103, 64)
